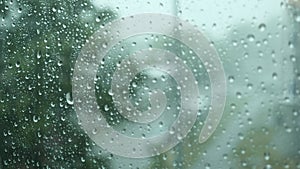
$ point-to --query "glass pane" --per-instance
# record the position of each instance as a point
(150, 84)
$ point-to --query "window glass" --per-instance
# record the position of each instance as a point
(149, 84)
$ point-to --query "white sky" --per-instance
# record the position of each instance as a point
(222, 13)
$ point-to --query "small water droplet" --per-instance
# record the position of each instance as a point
(268, 166)
(233, 106)
(259, 69)
(274, 76)
(262, 27)
(104, 45)
(59, 63)
(38, 55)
(267, 156)
(234, 43)
(134, 85)
(249, 121)
(18, 64)
(251, 37)
(106, 107)
(63, 118)
(172, 131)
(288, 129)
(164, 157)
(249, 86)
(98, 19)
(207, 166)
(110, 92)
(297, 18)
(293, 58)
(291, 45)
(35, 118)
(231, 79)
(239, 95)
(94, 131)
(161, 124)
(20, 10)
(179, 137)
(154, 80)
(241, 136)
(39, 134)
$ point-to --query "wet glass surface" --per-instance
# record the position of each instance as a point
(150, 84)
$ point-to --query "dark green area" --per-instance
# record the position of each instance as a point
(39, 42)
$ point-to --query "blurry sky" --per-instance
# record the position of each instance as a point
(213, 17)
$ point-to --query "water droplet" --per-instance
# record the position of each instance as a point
(161, 124)
(134, 85)
(106, 107)
(249, 86)
(268, 166)
(233, 106)
(172, 131)
(18, 64)
(39, 134)
(59, 63)
(251, 37)
(262, 27)
(35, 118)
(225, 156)
(165, 157)
(291, 45)
(179, 137)
(69, 99)
(239, 95)
(94, 131)
(259, 69)
(63, 118)
(98, 19)
(234, 43)
(241, 136)
(293, 58)
(297, 18)
(274, 76)
(104, 45)
(20, 10)
(110, 92)
(288, 129)
(231, 79)
(267, 156)
(249, 121)
(207, 166)
(287, 99)
(38, 55)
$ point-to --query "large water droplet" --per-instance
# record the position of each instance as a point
(262, 27)
(69, 99)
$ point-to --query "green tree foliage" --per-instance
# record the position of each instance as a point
(40, 41)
